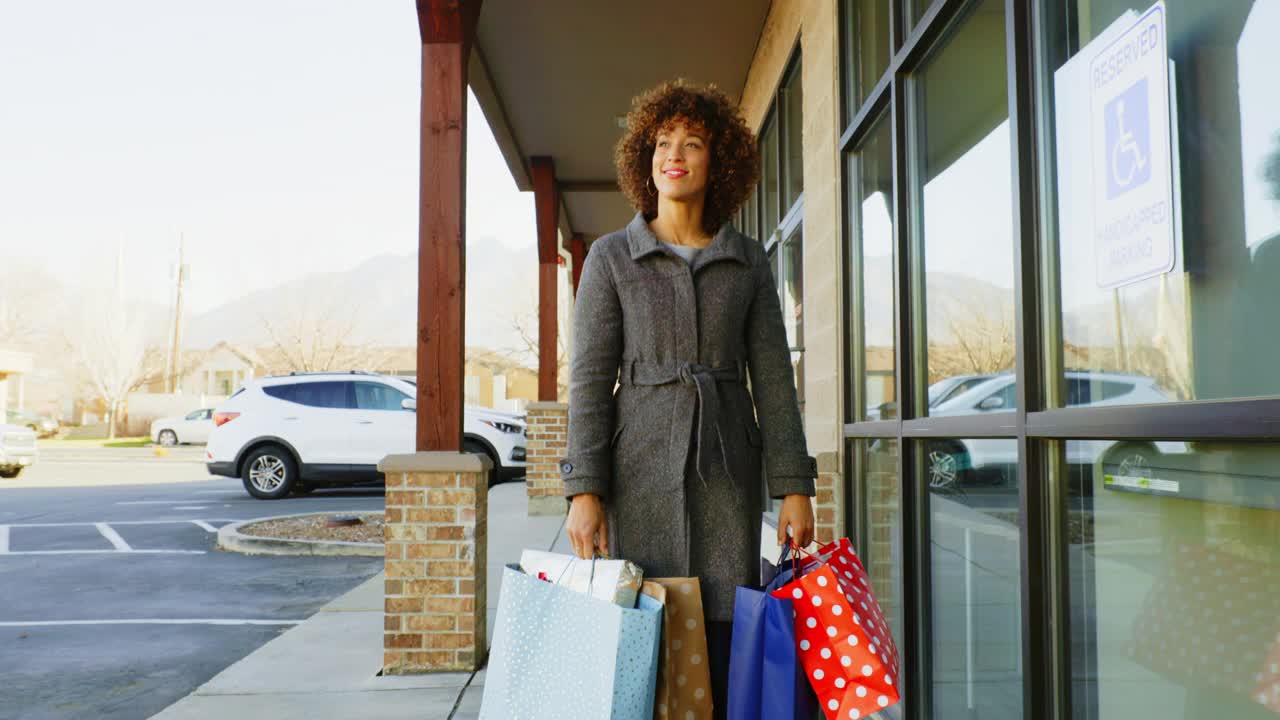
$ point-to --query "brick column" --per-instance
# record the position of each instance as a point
(826, 507)
(548, 432)
(436, 545)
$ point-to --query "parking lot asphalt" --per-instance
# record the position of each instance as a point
(114, 601)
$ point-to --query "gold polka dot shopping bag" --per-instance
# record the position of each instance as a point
(684, 681)
(558, 653)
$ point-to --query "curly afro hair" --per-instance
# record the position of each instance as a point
(735, 160)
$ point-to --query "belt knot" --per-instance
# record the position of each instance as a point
(687, 371)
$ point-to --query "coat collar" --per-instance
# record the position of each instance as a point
(727, 243)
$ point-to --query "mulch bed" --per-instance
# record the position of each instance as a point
(312, 527)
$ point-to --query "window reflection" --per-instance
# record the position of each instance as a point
(1174, 572)
(975, 570)
(966, 200)
(1194, 331)
(883, 552)
(873, 200)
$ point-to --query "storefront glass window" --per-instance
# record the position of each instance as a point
(866, 42)
(976, 579)
(791, 288)
(792, 100)
(882, 550)
(965, 198)
(769, 195)
(1174, 575)
(872, 211)
(1167, 202)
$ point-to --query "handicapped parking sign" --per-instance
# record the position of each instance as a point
(1128, 140)
(1131, 154)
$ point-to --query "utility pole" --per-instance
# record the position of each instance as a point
(175, 352)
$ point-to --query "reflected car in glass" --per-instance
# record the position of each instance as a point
(994, 462)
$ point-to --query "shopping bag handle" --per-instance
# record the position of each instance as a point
(590, 579)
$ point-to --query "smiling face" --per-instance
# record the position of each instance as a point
(681, 162)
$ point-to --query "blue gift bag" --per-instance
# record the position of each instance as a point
(558, 654)
(766, 680)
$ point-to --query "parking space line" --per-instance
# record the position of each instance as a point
(113, 537)
(4, 539)
(205, 525)
(105, 552)
(148, 621)
(124, 522)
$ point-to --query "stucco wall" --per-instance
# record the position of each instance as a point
(814, 25)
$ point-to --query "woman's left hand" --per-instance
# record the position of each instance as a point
(796, 513)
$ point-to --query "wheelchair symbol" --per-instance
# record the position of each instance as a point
(1127, 160)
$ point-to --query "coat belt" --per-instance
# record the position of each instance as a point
(704, 379)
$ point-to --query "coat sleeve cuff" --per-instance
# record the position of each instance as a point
(780, 487)
(582, 475)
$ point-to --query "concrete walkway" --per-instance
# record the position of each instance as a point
(328, 666)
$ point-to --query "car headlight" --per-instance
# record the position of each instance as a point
(502, 426)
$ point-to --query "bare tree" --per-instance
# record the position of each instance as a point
(28, 302)
(525, 328)
(108, 342)
(981, 339)
(318, 334)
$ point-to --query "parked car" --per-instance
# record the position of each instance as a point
(294, 433)
(41, 425)
(17, 450)
(953, 463)
(939, 392)
(194, 427)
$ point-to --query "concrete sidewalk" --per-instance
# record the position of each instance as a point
(328, 666)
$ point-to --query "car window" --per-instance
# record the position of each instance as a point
(376, 396)
(1079, 392)
(327, 394)
(1111, 390)
(1009, 394)
(283, 392)
(197, 415)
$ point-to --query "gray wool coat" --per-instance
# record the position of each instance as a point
(675, 451)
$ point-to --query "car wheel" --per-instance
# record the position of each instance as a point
(269, 473)
(947, 465)
(1131, 460)
(168, 438)
(471, 446)
(10, 473)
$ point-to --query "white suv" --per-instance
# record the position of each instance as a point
(292, 433)
(17, 450)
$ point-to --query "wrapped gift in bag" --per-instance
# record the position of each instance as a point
(844, 643)
(766, 679)
(684, 678)
(615, 581)
(558, 654)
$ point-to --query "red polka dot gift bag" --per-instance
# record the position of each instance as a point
(843, 639)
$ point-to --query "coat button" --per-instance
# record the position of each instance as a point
(566, 467)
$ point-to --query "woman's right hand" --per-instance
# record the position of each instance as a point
(587, 525)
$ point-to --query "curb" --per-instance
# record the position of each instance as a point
(230, 539)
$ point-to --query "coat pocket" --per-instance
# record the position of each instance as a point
(753, 435)
(617, 433)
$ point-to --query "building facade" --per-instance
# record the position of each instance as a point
(1027, 253)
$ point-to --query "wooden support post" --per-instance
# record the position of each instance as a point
(447, 28)
(546, 199)
(578, 250)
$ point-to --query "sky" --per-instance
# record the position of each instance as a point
(278, 138)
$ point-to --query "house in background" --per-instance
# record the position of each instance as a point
(13, 365)
(205, 378)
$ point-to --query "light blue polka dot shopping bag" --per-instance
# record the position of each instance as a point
(562, 654)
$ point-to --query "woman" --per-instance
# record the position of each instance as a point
(681, 310)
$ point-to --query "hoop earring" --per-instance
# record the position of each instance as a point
(650, 184)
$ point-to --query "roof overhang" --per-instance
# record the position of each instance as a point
(554, 78)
